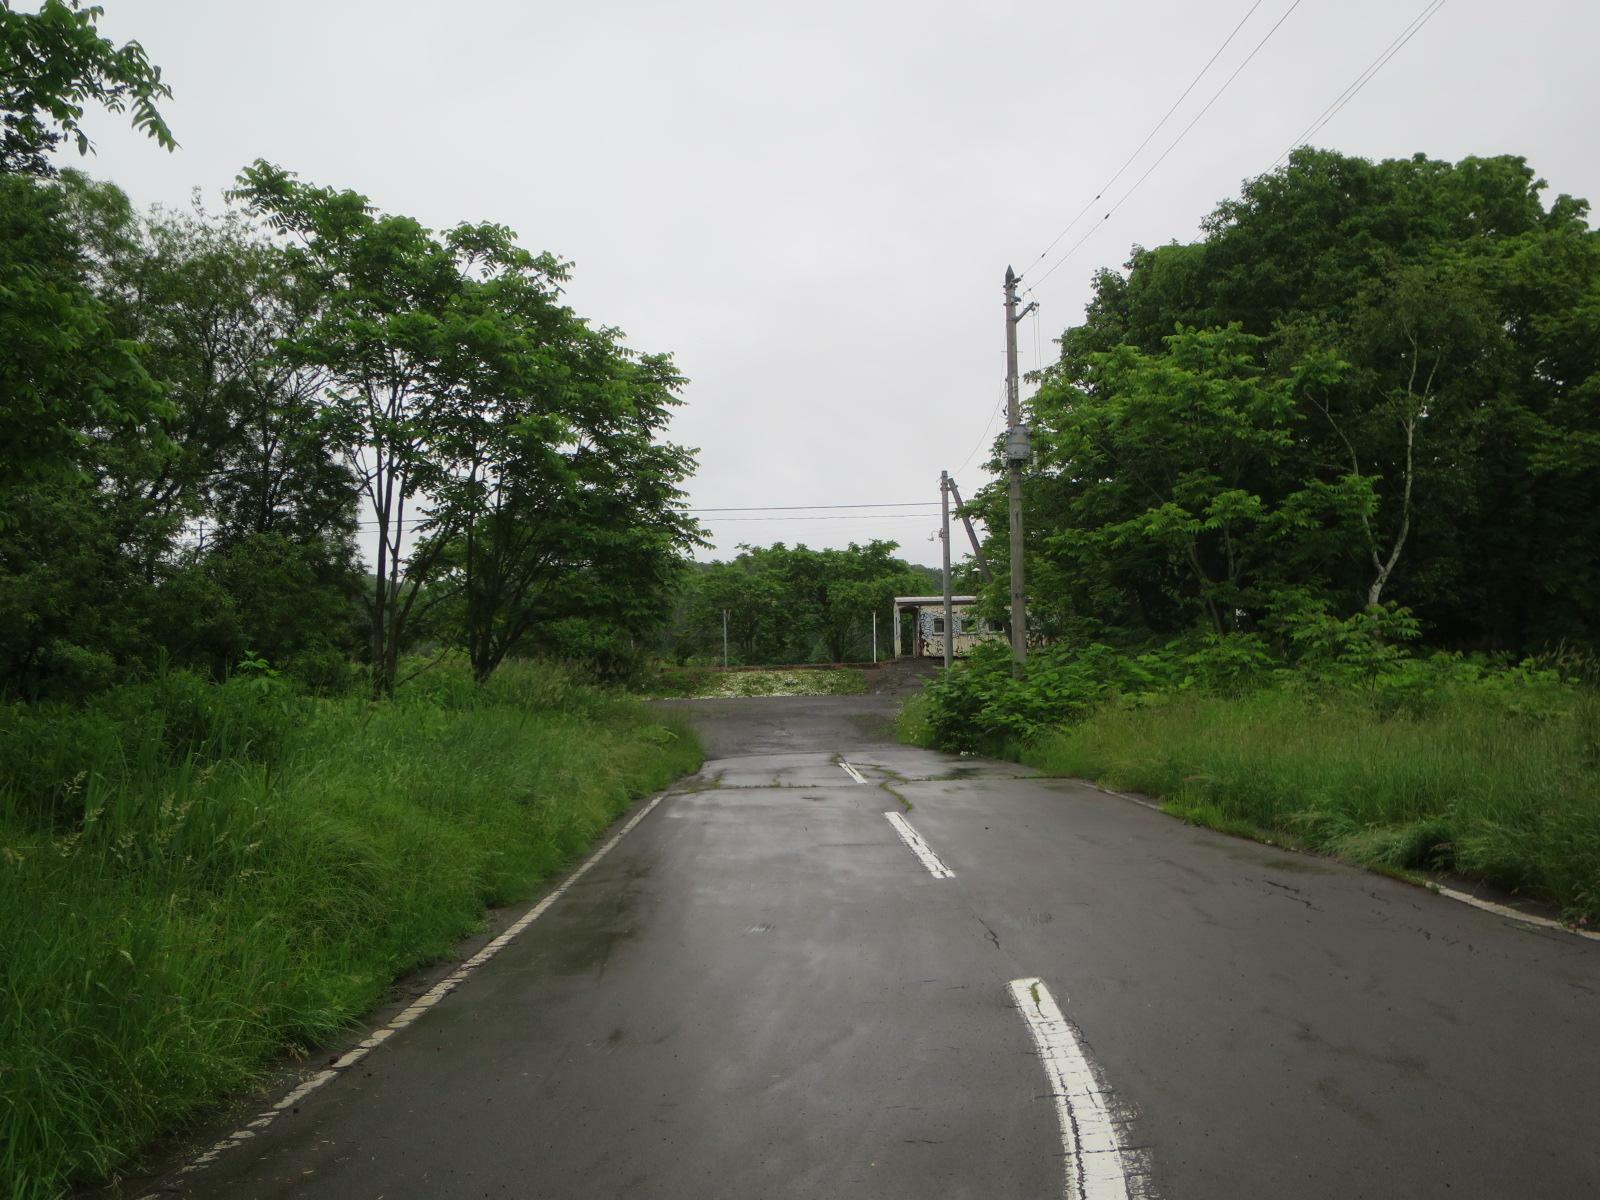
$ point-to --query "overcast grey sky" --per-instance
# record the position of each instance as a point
(812, 205)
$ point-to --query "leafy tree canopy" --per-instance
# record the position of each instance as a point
(1369, 384)
(793, 604)
(53, 64)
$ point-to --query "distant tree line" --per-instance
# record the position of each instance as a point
(792, 604)
(207, 415)
(1370, 387)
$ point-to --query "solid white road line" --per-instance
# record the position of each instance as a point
(919, 847)
(423, 1003)
(1505, 910)
(852, 772)
(1096, 1168)
(1449, 893)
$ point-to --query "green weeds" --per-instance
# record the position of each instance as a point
(1344, 743)
(196, 880)
(913, 724)
(1470, 785)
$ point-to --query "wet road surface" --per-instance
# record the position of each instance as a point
(767, 989)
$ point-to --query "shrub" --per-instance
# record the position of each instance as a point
(1357, 747)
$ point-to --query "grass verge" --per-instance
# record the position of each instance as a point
(1467, 786)
(196, 880)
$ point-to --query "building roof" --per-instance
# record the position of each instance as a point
(910, 600)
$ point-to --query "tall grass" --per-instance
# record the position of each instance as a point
(196, 879)
(1466, 783)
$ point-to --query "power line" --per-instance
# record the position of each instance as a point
(1139, 149)
(1217, 95)
(800, 507)
(874, 517)
(987, 436)
(401, 522)
(1350, 92)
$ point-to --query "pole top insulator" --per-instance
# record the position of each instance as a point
(1011, 276)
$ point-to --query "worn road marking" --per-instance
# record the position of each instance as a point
(919, 847)
(1094, 1157)
(422, 1004)
(852, 772)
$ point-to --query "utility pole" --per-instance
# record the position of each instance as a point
(1018, 452)
(724, 639)
(874, 637)
(944, 537)
(977, 550)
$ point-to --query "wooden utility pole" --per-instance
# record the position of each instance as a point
(944, 537)
(724, 639)
(1017, 454)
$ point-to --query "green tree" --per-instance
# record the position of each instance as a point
(150, 520)
(414, 331)
(53, 64)
(1447, 464)
(1175, 480)
(792, 604)
(67, 376)
(572, 508)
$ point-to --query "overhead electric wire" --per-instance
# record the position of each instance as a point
(799, 507)
(874, 517)
(1354, 88)
(1195, 120)
(759, 508)
(986, 436)
(1154, 129)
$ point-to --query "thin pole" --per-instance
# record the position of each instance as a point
(977, 550)
(1016, 455)
(944, 538)
(724, 639)
(874, 637)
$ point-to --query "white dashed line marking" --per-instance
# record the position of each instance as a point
(1097, 1167)
(919, 847)
(852, 772)
(423, 1003)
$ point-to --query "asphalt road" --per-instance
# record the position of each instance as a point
(765, 990)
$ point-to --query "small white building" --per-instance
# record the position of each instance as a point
(919, 630)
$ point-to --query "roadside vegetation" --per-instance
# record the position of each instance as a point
(1433, 763)
(705, 683)
(300, 428)
(1311, 528)
(199, 879)
(300, 502)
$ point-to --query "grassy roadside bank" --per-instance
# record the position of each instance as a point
(1494, 779)
(196, 879)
